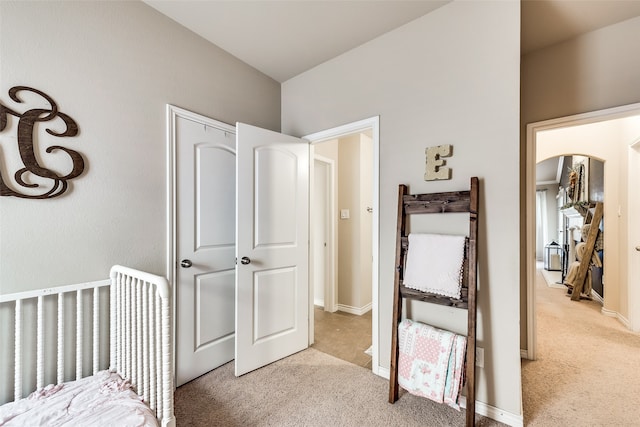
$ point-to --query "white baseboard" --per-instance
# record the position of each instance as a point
(616, 315)
(515, 420)
(596, 297)
(383, 372)
(359, 311)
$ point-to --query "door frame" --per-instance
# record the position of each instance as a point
(530, 210)
(330, 291)
(172, 114)
(373, 124)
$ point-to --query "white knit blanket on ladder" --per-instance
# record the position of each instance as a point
(434, 264)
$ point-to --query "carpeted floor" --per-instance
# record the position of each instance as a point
(343, 335)
(586, 375)
(311, 389)
(587, 369)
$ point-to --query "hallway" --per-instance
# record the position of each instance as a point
(343, 335)
(586, 369)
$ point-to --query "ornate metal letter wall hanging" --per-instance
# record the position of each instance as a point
(25, 134)
(435, 165)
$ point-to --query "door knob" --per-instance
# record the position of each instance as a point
(245, 260)
(638, 248)
(185, 263)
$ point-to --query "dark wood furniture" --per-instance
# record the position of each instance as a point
(438, 203)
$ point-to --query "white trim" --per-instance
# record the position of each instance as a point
(524, 354)
(531, 131)
(624, 321)
(358, 311)
(596, 297)
(383, 372)
(372, 123)
(515, 420)
(616, 315)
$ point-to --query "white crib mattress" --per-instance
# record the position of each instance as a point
(104, 399)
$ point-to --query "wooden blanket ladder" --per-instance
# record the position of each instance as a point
(447, 202)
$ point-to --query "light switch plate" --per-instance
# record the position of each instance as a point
(344, 213)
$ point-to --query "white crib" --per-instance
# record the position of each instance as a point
(139, 338)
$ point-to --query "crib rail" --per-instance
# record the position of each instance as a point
(61, 293)
(141, 325)
(139, 335)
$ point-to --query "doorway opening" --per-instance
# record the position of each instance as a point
(344, 242)
(568, 189)
(607, 135)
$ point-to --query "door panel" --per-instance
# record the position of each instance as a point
(274, 293)
(214, 291)
(205, 224)
(272, 302)
(275, 207)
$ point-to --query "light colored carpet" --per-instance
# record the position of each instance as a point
(553, 279)
(343, 335)
(310, 388)
(586, 375)
(587, 372)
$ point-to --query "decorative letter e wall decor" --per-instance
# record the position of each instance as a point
(435, 165)
(25, 136)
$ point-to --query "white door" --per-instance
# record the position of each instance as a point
(272, 237)
(205, 244)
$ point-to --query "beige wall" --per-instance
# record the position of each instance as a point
(348, 194)
(450, 77)
(354, 233)
(113, 67)
(592, 72)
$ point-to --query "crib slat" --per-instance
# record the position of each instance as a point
(79, 337)
(96, 330)
(167, 378)
(17, 388)
(138, 353)
(145, 341)
(127, 329)
(60, 361)
(152, 350)
(113, 326)
(40, 346)
(117, 364)
(132, 353)
(158, 324)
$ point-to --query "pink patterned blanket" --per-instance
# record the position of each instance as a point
(431, 362)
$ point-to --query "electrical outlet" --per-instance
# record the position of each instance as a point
(480, 357)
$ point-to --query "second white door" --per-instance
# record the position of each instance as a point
(272, 283)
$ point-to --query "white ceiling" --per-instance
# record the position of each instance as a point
(285, 38)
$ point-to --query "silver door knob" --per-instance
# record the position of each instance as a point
(245, 260)
(185, 263)
(638, 248)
